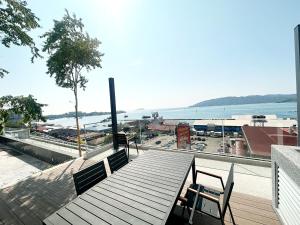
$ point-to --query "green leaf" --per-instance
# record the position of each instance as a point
(16, 20)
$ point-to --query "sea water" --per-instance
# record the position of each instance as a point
(281, 110)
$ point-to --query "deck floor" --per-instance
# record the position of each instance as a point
(32, 200)
(246, 209)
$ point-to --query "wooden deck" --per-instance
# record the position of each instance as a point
(32, 200)
(247, 210)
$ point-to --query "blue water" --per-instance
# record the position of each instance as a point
(282, 110)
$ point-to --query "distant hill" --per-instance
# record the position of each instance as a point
(80, 114)
(251, 99)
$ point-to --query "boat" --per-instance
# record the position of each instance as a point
(105, 120)
(146, 117)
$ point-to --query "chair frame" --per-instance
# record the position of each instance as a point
(210, 198)
(123, 140)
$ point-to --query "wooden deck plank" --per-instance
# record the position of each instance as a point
(148, 191)
(139, 205)
(170, 162)
(128, 208)
(256, 199)
(152, 175)
(7, 215)
(93, 214)
(138, 193)
(156, 179)
(261, 206)
(152, 183)
(56, 220)
(23, 213)
(166, 157)
(253, 209)
(254, 217)
(153, 160)
(166, 163)
(134, 197)
(71, 217)
(157, 170)
(121, 214)
(154, 167)
(158, 173)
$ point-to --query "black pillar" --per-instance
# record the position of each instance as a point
(114, 123)
(297, 59)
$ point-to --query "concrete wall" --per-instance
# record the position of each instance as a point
(47, 155)
(92, 152)
(17, 133)
(287, 158)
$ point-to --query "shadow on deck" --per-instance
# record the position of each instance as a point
(32, 200)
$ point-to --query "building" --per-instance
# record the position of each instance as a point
(162, 128)
(260, 139)
(236, 122)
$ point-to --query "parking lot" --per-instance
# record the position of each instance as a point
(211, 144)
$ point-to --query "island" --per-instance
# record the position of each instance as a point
(251, 99)
(80, 114)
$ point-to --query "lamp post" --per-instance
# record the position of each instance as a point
(223, 130)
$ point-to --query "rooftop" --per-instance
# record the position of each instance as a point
(241, 121)
(33, 199)
(260, 139)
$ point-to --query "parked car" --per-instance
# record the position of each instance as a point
(200, 133)
(200, 148)
(217, 134)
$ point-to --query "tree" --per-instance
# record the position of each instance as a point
(6, 109)
(70, 51)
(15, 22)
(4, 117)
(27, 107)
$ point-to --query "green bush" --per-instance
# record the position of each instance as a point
(108, 139)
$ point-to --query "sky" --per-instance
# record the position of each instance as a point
(165, 54)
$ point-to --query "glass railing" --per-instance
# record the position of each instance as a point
(245, 136)
(239, 136)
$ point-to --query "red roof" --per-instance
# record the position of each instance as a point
(161, 127)
(260, 139)
(41, 128)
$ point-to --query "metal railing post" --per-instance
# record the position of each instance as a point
(297, 62)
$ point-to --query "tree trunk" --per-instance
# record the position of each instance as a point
(77, 122)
